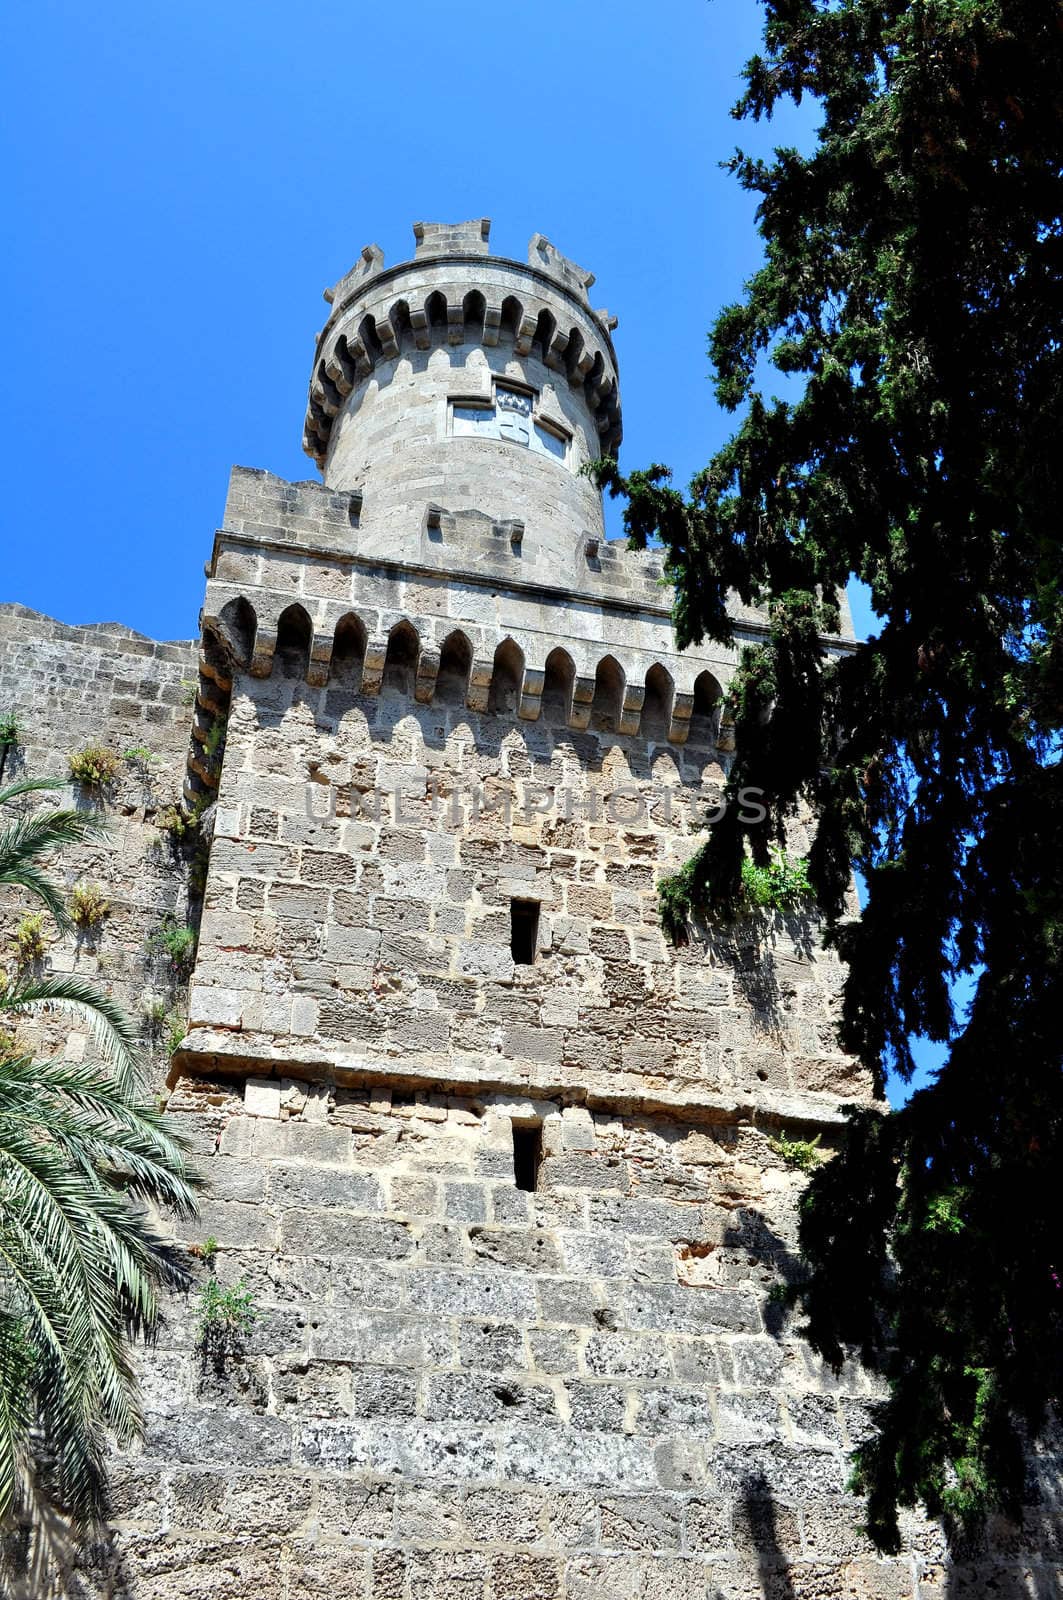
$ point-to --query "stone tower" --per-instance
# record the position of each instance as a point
(492, 1158)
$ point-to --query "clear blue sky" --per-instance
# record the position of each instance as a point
(184, 180)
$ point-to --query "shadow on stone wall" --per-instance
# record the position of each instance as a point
(761, 1517)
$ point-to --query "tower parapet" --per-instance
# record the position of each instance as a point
(496, 1162)
(427, 373)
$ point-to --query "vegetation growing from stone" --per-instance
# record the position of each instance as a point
(176, 1028)
(177, 942)
(28, 942)
(8, 730)
(911, 299)
(225, 1317)
(176, 823)
(163, 1023)
(88, 905)
(214, 743)
(803, 1154)
(81, 1150)
(94, 767)
(777, 884)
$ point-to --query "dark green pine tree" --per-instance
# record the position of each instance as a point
(913, 280)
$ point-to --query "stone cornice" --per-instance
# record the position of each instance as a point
(207, 1052)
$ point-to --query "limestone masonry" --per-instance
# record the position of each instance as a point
(493, 1159)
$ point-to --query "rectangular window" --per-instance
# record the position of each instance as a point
(527, 1157)
(473, 419)
(550, 442)
(523, 931)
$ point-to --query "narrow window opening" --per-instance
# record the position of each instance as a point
(523, 931)
(527, 1156)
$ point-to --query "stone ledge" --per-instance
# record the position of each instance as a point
(207, 1052)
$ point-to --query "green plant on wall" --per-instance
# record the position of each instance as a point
(176, 823)
(225, 1316)
(802, 1154)
(94, 766)
(88, 905)
(154, 1014)
(176, 1028)
(139, 756)
(780, 884)
(9, 736)
(776, 886)
(214, 743)
(177, 942)
(164, 1024)
(28, 941)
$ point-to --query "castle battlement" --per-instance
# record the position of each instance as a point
(427, 374)
(496, 1161)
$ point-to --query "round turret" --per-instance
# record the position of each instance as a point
(467, 383)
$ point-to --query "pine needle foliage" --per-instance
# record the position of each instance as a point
(83, 1153)
(912, 290)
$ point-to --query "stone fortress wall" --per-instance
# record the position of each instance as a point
(537, 795)
(510, 1212)
(104, 684)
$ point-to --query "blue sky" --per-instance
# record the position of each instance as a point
(185, 180)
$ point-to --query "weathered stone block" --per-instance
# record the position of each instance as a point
(649, 1523)
(596, 1406)
(366, 1335)
(531, 1248)
(335, 1233)
(490, 1347)
(678, 1309)
(262, 1098)
(458, 1397)
(219, 1439)
(627, 1355)
(486, 1294)
(310, 1186)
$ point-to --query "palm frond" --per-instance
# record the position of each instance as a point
(112, 1030)
(20, 786)
(82, 1153)
(17, 1362)
(80, 1265)
(29, 840)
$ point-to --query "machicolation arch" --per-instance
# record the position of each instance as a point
(605, 697)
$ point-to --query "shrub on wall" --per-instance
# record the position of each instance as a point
(88, 905)
(94, 767)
